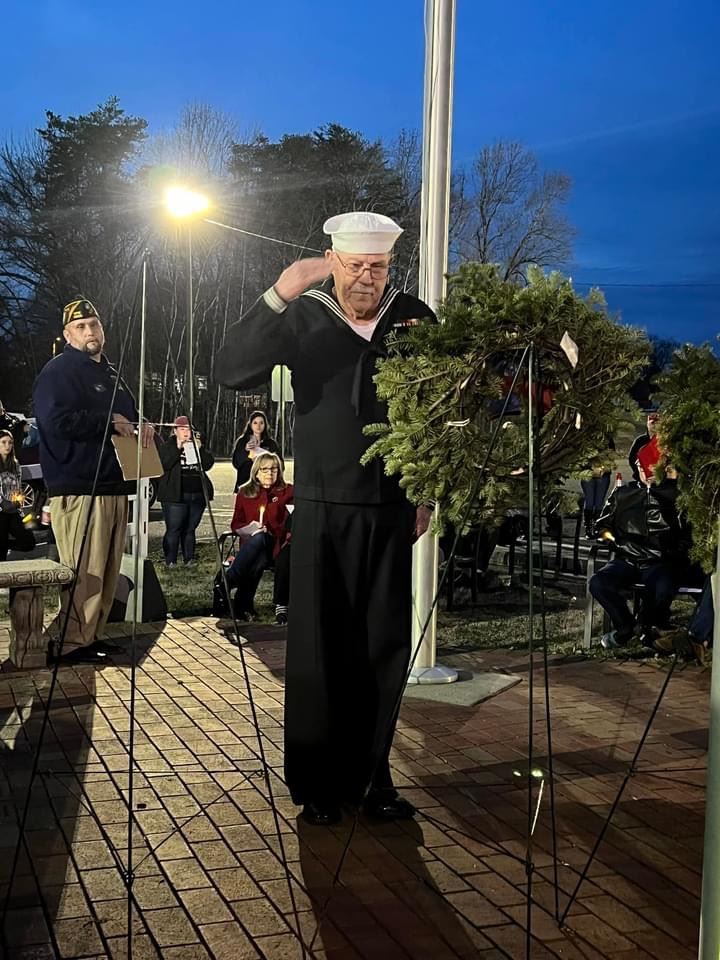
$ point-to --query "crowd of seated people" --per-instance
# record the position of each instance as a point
(651, 545)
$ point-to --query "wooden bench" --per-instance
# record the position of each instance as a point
(27, 580)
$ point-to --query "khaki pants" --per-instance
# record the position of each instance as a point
(97, 570)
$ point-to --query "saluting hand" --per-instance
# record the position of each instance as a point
(302, 274)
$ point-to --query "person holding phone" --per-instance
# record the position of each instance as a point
(180, 490)
(254, 439)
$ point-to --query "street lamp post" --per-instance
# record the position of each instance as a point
(189, 334)
(185, 204)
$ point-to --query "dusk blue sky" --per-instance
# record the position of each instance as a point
(624, 96)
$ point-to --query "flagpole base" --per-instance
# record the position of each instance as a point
(436, 674)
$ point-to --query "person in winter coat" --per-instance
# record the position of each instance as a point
(14, 534)
(349, 630)
(180, 490)
(260, 518)
(254, 439)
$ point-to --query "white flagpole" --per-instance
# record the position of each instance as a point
(710, 898)
(435, 221)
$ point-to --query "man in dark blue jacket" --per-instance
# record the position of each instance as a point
(74, 397)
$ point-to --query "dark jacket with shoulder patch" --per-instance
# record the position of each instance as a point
(72, 397)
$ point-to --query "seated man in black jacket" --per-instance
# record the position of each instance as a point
(651, 548)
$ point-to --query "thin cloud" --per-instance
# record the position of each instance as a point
(659, 123)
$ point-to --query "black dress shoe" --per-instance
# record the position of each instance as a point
(321, 814)
(105, 646)
(386, 806)
(81, 655)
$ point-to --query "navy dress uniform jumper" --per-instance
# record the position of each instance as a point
(350, 582)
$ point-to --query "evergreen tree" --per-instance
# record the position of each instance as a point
(69, 224)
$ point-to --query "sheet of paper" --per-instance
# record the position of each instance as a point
(190, 453)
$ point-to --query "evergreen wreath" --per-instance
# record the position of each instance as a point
(689, 431)
(445, 385)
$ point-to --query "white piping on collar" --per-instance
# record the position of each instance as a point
(385, 301)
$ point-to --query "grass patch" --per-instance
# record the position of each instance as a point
(500, 621)
(188, 590)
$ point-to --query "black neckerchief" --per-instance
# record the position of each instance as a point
(372, 349)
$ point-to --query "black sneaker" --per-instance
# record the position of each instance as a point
(106, 647)
(648, 637)
(81, 655)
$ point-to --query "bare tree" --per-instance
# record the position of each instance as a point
(513, 212)
(404, 156)
(200, 145)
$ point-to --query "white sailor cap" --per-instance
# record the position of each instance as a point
(362, 232)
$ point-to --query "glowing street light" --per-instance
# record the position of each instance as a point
(185, 204)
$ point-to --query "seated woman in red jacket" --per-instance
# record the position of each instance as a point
(260, 518)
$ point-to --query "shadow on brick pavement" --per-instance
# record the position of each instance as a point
(209, 878)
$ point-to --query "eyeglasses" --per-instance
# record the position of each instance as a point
(356, 268)
(267, 469)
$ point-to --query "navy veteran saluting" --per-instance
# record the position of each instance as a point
(327, 318)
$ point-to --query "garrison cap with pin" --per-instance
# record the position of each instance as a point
(362, 232)
(79, 309)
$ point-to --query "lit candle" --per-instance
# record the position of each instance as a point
(262, 513)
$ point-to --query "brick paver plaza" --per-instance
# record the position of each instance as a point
(209, 879)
